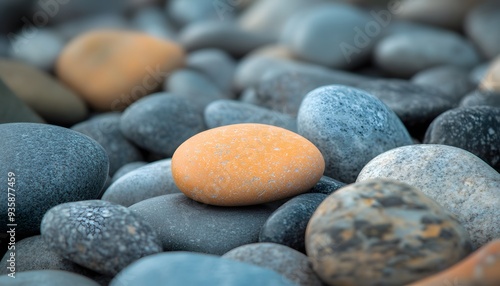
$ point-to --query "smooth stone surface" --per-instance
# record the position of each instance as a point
(481, 97)
(491, 80)
(475, 129)
(47, 97)
(327, 186)
(382, 232)
(227, 112)
(290, 263)
(184, 224)
(152, 180)
(246, 164)
(350, 127)
(326, 35)
(456, 179)
(99, 235)
(478, 73)
(13, 109)
(225, 36)
(161, 122)
(176, 268)
(47, 278)
(52, 165)
(105, 129)
(287, 225)
(405, 54)
(481, 26)
(183, 12)
(117, 67)
(76, 27)
(451, 80)
(414, 104)
(216, 64)
(127, 168)
(153, 21)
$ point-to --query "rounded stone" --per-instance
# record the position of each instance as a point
(481, 26)
(287, 225)
(13, 109)
(115, 68)
(290, 263)
(246, 164)
(161, 122)
(481, 97)
(475, 129)
(382, 232)
(456, 179)
(350, 127)
(99, 235)
(491, 80)
(154, 179)
(127, 168)
(177, 269)
(47, 278)
(50, 165)
(153, 21)
(327, 186)
(477, 74)
(216, 64)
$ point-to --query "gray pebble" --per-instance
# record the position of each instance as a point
(75, 27)
(451, 80)
(99, 235)
(217, 65)
(481, 26)
(478, 73)
(327, 186)
(13, 109)
(127, 168)
(187, 12)
(481, 97)
(153, 21)
(47, 278)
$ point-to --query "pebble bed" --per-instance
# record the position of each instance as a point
(250, 142)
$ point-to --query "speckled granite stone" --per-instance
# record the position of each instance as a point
(99, 235)
(456, 179)
(382, 232)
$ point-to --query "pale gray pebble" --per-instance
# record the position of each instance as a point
(47, 278)
(154, 179)
(480, 98)
(99, 235)
(105, 129)
(216, 64)
(153, 21)
(127, 168)
(406, 54)
(288, 262)
(187, 268)
(481, 25)
(452, 177)
(186, 225)
(161, 122)
(350, 127)
(227, 112)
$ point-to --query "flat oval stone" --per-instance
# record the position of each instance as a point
(290, 263)
(51, 165)
(47, 278)
(475, 129)
(287, 225)
(246, 164)
(176, 268)
(350, 127)
(456, 179)
(99, 235)
(382, 232)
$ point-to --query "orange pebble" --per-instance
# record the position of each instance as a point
(246, 164)
(481, 268)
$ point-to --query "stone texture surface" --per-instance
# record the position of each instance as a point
(382, 232)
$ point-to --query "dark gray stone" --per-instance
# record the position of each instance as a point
(290, 263)
(153, 21)
(451, 80)
(183, 268)
(4, 46)
(127, 168)
(105, 129)
(161, 122)
(475, 129)
(481, 97)
(99, 235)
(350, 127)
(217, 65)
(47, 278)
(481, 25)
(415, 105)
(13, 109)
(152, 180)
(327, 186)
(226, 112)
(184, 224)
(52, 165)
(287, 225)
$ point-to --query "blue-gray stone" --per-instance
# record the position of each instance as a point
(480, 97)
(105, 129)
(152, 180)
(161, 122)
(217, 65)
(127, 168)
(47, 278)
(287, 225)
(327, 186)
(153, 21)
(481, 25)
(451, 80)
(52, 165)
(184, 224)
(186, 12)
(478, 73)
(13, 109)
(99, 235)
(193, 269)
(75, 27)
(226, 112)
(350, 127)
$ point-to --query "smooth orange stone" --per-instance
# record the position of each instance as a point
(112, 69)
(480, 268)
(246, 164)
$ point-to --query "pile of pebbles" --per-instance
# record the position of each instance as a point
(251, 142)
